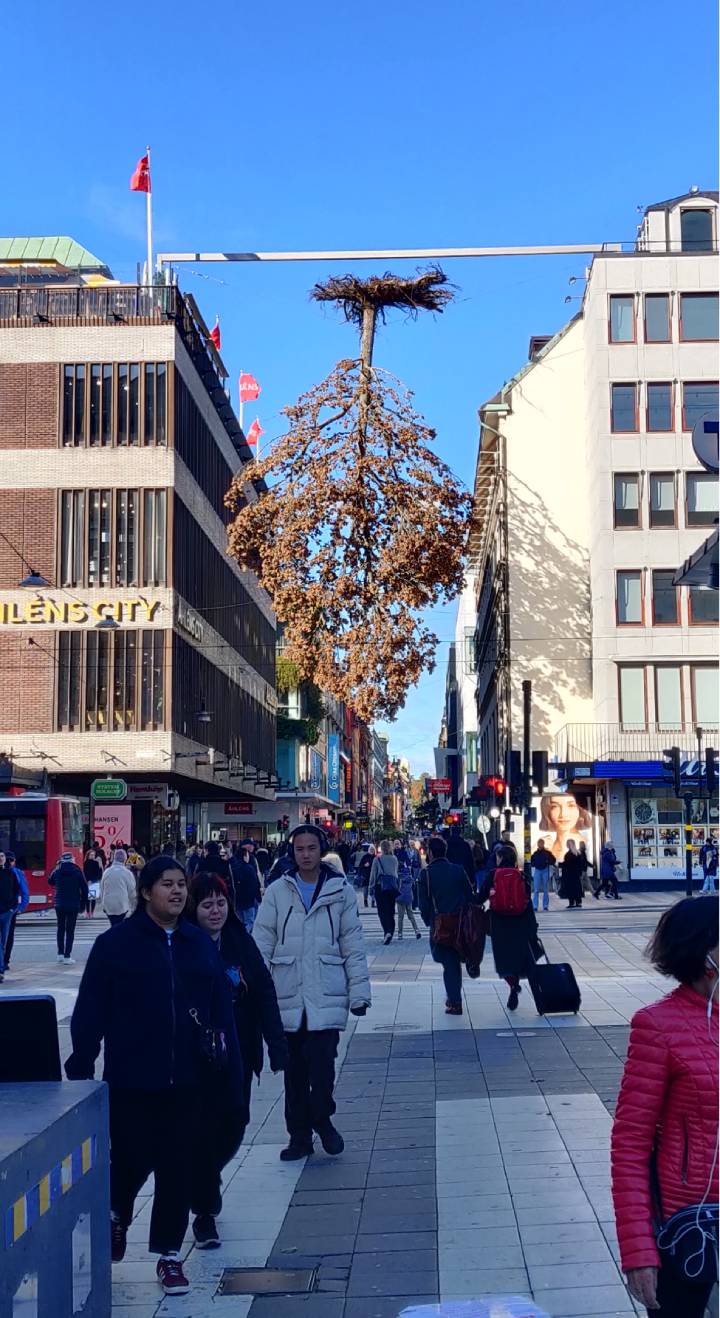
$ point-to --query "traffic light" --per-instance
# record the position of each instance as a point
(671, 761)
(490, 788)
(513, 768)
(711, 770)
(539, 770)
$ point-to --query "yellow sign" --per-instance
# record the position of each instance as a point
(37, 611)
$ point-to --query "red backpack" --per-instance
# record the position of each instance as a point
(508, 895)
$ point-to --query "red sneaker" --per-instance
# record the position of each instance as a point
(171, 1277)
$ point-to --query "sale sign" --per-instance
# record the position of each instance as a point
(112, 825)
(440, 786)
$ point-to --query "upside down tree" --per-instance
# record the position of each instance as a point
(359, 525)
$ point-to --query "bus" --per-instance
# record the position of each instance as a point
(39, 828)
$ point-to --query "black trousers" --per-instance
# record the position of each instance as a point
(66, 921)
(678, 1299)
(310, 1080)
(386, 909)
(153, 1131)
(219, 1142)
(10, 940)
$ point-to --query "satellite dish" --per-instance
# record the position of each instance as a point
(705, 440)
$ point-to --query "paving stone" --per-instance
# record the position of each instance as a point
(392, 1241)
(391, 1282)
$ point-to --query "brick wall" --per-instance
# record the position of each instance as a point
(29, 402)
(28, 520)
(27, 682)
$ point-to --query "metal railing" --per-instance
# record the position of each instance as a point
(612, 741)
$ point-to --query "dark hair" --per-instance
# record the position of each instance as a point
(154, 870)
(437, 847)
(584, 816)
(683, 938)
(314, 831)
(205, 883)
(507, 858)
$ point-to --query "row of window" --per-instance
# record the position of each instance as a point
(697, 398)
(697, 317)
(632, 586)
(111, 681)
(113, 537)
(630, 488)
(665, 682)
(114, 403)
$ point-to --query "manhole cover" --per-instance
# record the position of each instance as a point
(267, 1281)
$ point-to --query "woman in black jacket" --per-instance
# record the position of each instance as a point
(444, 890)
(571, 875)
(515, 942)
(153, 988)
(257, 1016)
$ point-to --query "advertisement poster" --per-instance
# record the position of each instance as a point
(333, 766)
(561, 816)
(112, 825)
(657, 835)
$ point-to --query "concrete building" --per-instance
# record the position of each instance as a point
(588, 497)
(144, 653)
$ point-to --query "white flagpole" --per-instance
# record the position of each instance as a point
(148, 204)
(241, 405)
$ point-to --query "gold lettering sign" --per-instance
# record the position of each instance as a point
(34, 611)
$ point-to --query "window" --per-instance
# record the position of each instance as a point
(69, 680)
(702, 498)
(622, 318)
(662, 498)
(154, 537)
(703, 606)
(105, 404)
(659, 412)
(696, 231)
(626, 500)
(633, 713)
(124, 694)
(705, 686)
(624, 410)
(153, 669)
(97, 693)
(73, 418)
(668, 697)
(72, 538)
(628, 603)
(127, 547)
(657, 318)
(99, 537)
(698, 398)
(698, 316)
(665, 612)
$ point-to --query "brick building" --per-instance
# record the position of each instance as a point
(147, 654)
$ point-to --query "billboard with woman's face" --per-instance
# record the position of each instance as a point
(562, 816)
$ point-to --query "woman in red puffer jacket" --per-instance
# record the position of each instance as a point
(669, 1105)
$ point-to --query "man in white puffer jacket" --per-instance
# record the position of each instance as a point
(309, 932)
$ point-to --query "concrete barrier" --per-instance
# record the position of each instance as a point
(54, 1200)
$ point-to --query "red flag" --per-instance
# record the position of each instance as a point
(254, 433)
(249, 388)
(215, 334)
(140, 181)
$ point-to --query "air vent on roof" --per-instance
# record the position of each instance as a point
(537, 343)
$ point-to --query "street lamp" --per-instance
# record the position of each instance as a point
(203, 715)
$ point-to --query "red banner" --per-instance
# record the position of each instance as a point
(440, 786)
(249, 388)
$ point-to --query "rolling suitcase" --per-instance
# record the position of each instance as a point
(554, 987)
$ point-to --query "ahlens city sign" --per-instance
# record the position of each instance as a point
(108, 789)
(35, 612)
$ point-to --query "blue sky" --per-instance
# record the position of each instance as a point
(282, 126)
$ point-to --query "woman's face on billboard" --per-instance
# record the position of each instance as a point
(564, 813)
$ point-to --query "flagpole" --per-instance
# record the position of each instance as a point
(241, 405)
(148, 203)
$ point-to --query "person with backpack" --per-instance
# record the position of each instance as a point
(445, 890)
(405, 901)
(385, 886)
(513, 926)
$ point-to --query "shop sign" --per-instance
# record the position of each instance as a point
(112, 825)
(148, 792)
(108, 789)
(189, 622)
(333, 766)
(238, 808)
(440, 786)
(35, 612)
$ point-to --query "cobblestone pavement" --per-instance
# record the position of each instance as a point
(476, 1154)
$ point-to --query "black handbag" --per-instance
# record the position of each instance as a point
(688, 1241)
(212, 1045)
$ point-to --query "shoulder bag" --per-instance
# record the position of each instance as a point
(688, 1241)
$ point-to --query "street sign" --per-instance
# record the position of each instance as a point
(705, 440)
(108, 789)
(440, 786)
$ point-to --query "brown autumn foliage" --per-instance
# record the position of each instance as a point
(360, 528)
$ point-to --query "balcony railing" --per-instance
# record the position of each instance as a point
(584, 742)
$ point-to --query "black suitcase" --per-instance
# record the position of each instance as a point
(554, 988)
